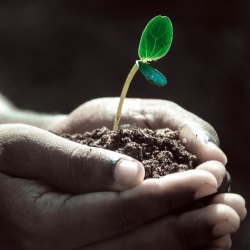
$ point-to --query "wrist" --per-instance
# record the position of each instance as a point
(40, 120)
(9, 113)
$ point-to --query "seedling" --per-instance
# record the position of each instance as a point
(155, 42)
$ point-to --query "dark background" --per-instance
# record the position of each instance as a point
(55, 55)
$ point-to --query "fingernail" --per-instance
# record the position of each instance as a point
(223, 228)
(125, 172)
(205, 190)
(217, 151)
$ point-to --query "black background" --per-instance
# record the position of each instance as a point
(55, 55)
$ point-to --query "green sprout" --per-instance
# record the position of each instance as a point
(155, 42)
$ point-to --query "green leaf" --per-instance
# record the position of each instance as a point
(151, 74)
(156, 39)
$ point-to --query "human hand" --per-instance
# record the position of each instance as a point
(198, 136)
(49, 201)
(40, 177)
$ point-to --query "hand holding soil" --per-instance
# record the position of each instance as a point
(53, 199)
(200, 138)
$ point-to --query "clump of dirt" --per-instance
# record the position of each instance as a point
(161, 151)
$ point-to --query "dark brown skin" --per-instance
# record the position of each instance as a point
(54, 196)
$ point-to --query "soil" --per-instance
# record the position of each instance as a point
(161, 152)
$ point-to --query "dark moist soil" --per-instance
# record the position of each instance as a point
(161, 151)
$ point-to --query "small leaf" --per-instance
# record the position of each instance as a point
(151, 74)
(156, 39)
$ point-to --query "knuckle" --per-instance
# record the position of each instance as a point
(79, 168)
(11, 145)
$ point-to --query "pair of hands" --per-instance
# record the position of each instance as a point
(57, 194)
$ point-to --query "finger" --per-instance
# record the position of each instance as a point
(202, 143)
(111, 214)
(218, 170)
(186, 231)
(234, 201)
(223, 243)
(30, 152)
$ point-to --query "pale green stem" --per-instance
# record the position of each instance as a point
(123, 95)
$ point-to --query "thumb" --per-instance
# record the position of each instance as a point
(29, 152)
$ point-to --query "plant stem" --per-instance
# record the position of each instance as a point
(123, 95)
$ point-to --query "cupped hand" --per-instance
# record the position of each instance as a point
(49, 201)
(198, 136)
